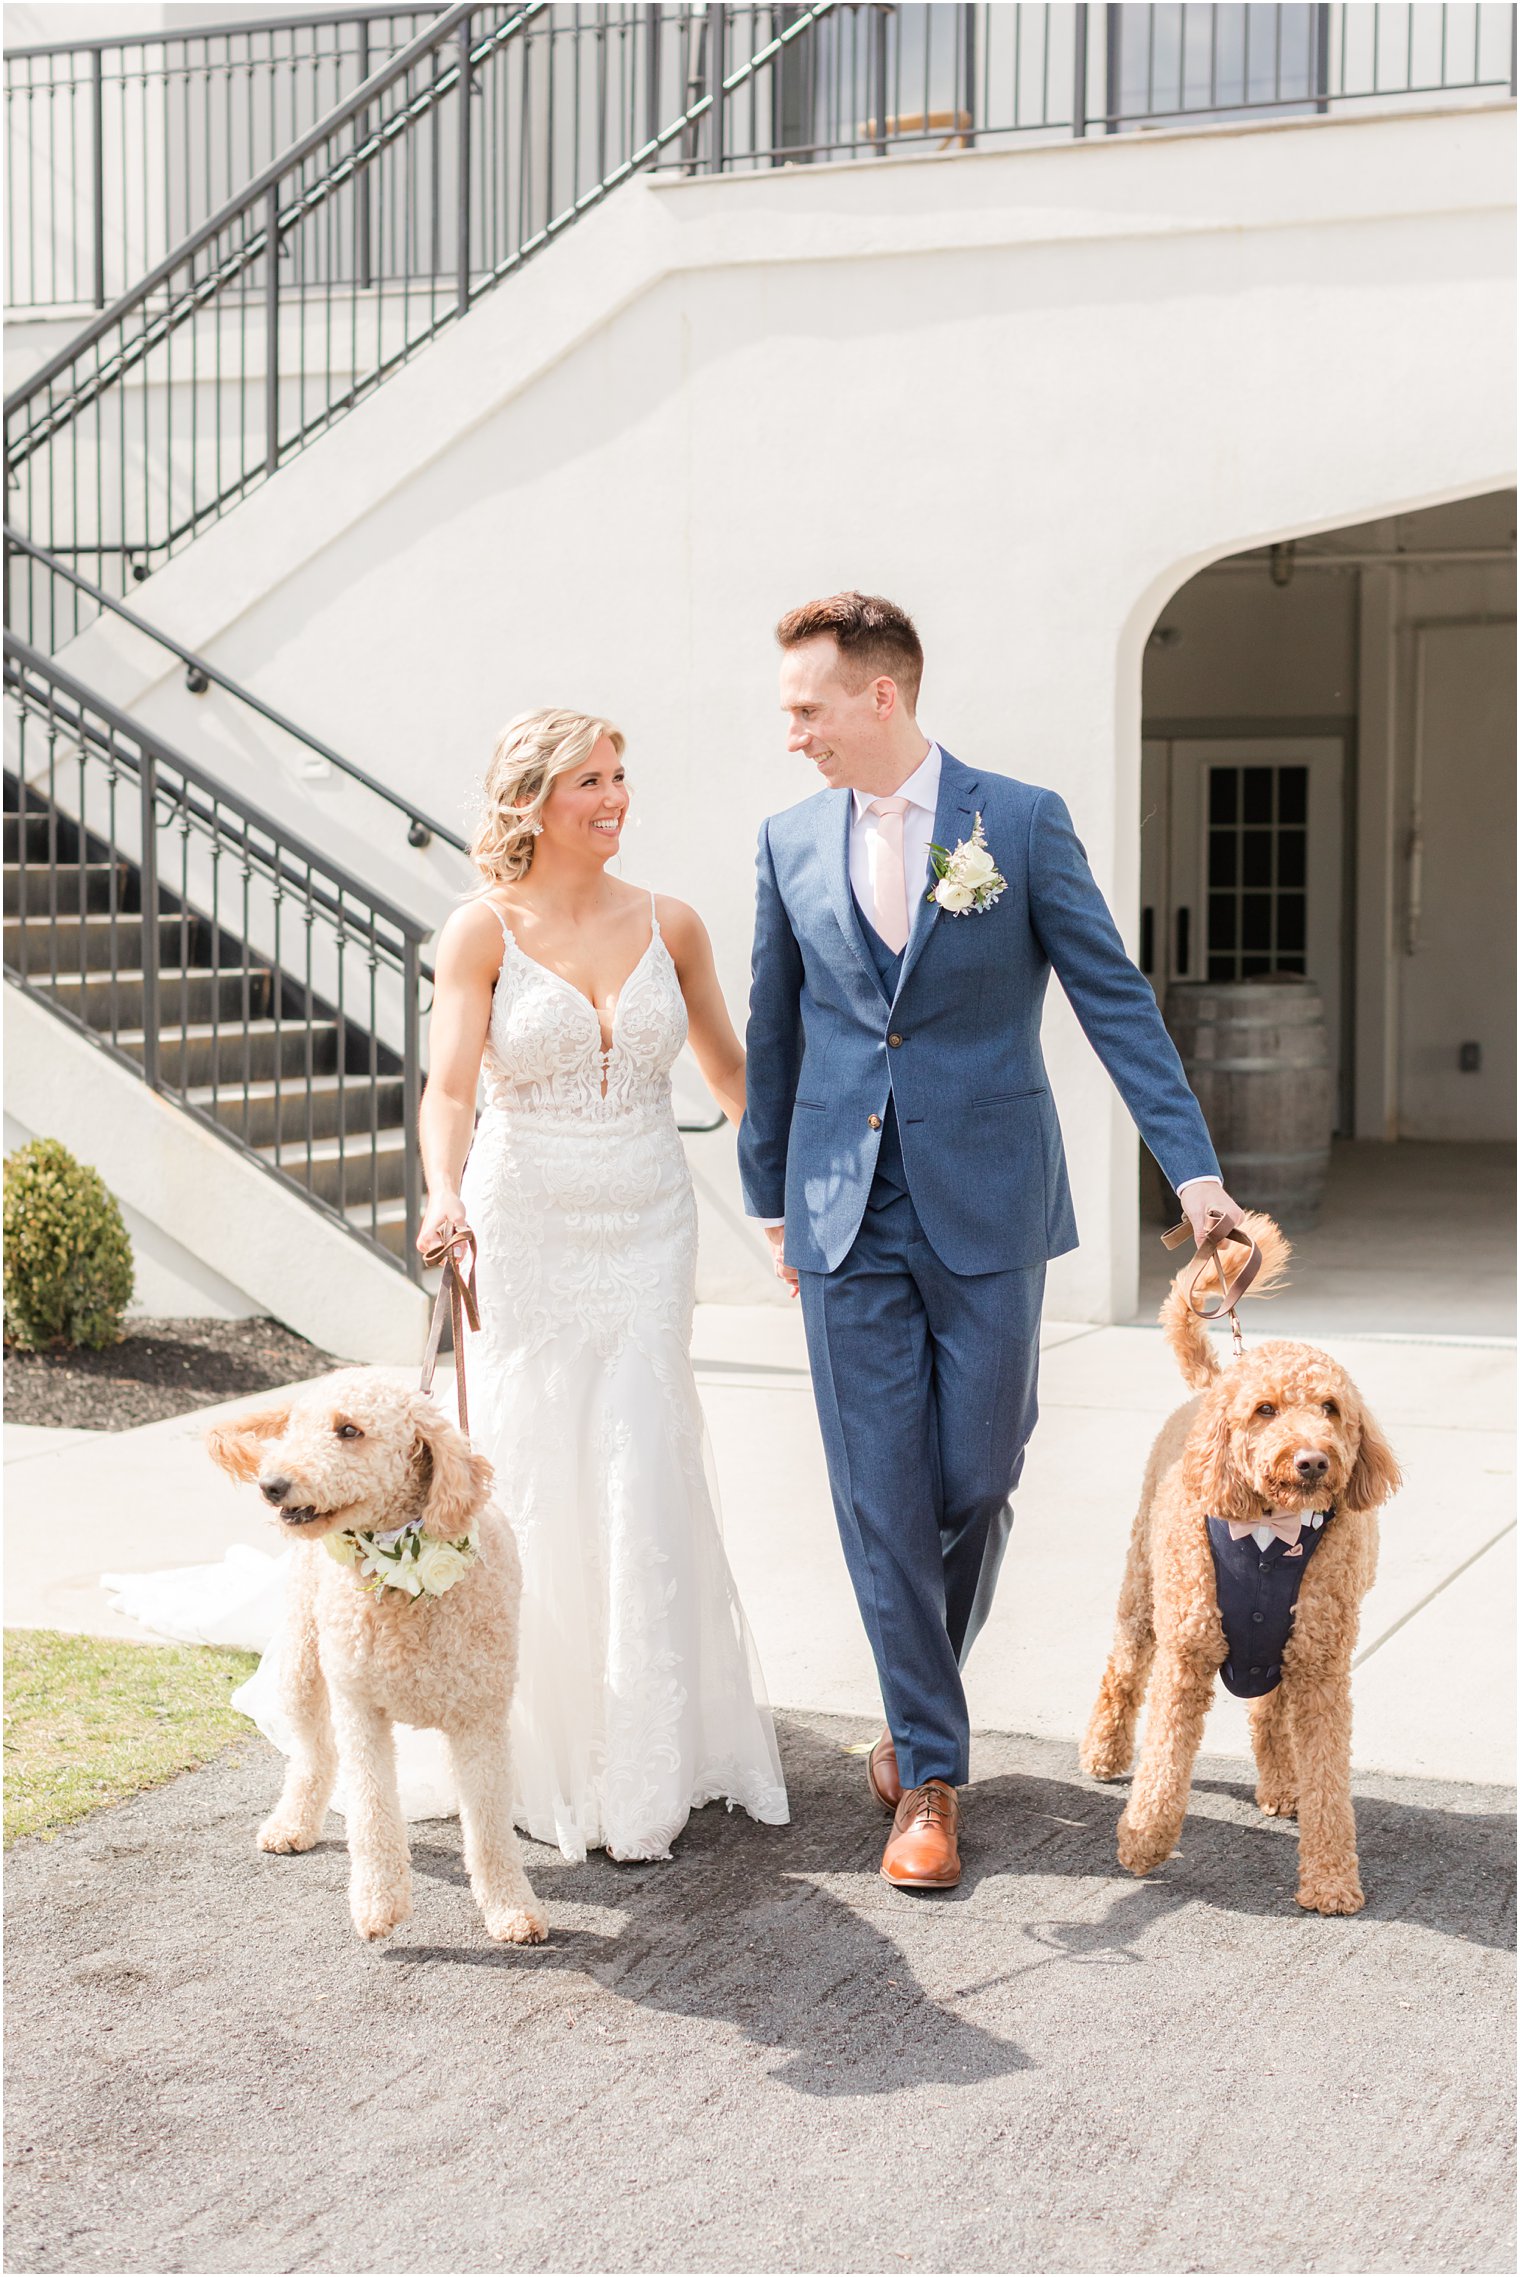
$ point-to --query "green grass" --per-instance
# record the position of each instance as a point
(91, 1720)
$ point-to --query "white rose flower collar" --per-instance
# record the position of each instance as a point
(966, 878)
(417, 1564)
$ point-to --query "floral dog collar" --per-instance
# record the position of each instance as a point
(405, 1558)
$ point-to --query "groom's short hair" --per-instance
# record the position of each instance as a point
(876, 639)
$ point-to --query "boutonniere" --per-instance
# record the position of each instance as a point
(967, 878)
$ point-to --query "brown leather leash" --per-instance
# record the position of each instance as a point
(457, 1298)
(1222, 1226)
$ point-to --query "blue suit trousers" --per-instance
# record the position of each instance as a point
(926, 1387)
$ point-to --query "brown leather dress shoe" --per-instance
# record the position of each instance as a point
(882, 1772)
(923, 1852)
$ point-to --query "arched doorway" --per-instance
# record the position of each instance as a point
(1328, 787)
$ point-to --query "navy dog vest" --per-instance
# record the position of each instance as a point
(1258, 1591)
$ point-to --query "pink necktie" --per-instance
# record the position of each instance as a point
(890, 915)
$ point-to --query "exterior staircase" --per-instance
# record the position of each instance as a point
(306, 1094)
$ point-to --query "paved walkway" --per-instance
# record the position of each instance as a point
(758, 2057)
(1434, 1684)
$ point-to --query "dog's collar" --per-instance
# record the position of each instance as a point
(403, 1558)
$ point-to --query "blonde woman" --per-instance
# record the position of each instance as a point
(571, 993)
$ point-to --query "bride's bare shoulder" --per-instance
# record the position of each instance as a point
(678, 920)
(472, 933)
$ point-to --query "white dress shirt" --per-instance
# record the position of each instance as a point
(921, 790)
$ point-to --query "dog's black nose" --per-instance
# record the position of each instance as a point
(1310, 1466)
(274, 1489)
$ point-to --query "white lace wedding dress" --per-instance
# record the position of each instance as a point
(638, 1692)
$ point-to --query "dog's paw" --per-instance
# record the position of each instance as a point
(1105, 1759)
(517, 1925)
(375, 1916)
(1142, 1847)
(1277, 1802)
(1331, 1894)
(284, 1835)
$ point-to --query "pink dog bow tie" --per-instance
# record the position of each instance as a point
(1287, 1525)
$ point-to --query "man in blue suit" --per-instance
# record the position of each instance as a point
(901, 1146)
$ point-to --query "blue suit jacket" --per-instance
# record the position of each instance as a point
(980, 1140)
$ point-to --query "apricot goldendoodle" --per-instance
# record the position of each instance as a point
(1281, 1434)
(353, 1458)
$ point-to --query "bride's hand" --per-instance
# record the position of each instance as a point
(776, 1236)
(443, 1221)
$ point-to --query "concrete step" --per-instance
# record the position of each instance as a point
(47, 836)
(42, 890)
(211, 1055)
(347, 1174)
(266, 1111)
(100, 941)
(385, 1222)
(193, 995)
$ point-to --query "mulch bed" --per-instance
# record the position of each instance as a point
(161, 1368)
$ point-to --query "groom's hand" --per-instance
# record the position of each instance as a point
(1201, 1196)
(776, 1236)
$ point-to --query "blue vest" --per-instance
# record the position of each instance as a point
(891, 1177)
(1257, 1591)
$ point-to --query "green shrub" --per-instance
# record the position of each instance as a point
(68, 1260)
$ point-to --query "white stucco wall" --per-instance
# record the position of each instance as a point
(1026, 393)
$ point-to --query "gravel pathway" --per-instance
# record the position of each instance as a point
(761, 2058)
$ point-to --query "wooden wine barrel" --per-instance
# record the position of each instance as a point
(1257, 1056)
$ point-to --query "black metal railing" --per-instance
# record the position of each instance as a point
(871, 81)
(72, 600)
(469, 152)
(117, 149)
(242, 973)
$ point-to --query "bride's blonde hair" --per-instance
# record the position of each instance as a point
(532, 752)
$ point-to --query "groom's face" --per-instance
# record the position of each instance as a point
(840, 728)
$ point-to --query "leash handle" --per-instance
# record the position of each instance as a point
(457, 1298)
(1222, 1226)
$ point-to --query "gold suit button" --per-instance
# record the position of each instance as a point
(874, 1122)
(894, 1039)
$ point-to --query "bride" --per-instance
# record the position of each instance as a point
(571, 992)
(636, 1690)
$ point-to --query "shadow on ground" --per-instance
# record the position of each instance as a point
(758, 2056)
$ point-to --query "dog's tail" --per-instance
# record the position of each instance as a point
(1188, 1336)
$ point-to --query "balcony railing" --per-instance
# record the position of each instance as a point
(872, 81)
(120, 149)
(117, 149)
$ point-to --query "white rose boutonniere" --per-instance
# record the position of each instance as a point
(966, 877)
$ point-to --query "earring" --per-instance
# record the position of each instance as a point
(538, 830)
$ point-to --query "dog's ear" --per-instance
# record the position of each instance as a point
(239, 1446)
(460, 1480)
(1375, 1475)
(1209, 1475)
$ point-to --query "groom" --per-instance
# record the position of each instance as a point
(902, 1148)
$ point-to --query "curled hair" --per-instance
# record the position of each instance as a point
(532, 752)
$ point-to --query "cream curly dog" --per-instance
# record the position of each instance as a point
(1281, 1430)
(359, 1454)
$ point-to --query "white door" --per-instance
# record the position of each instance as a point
(1457, 967)
(1241, 863)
